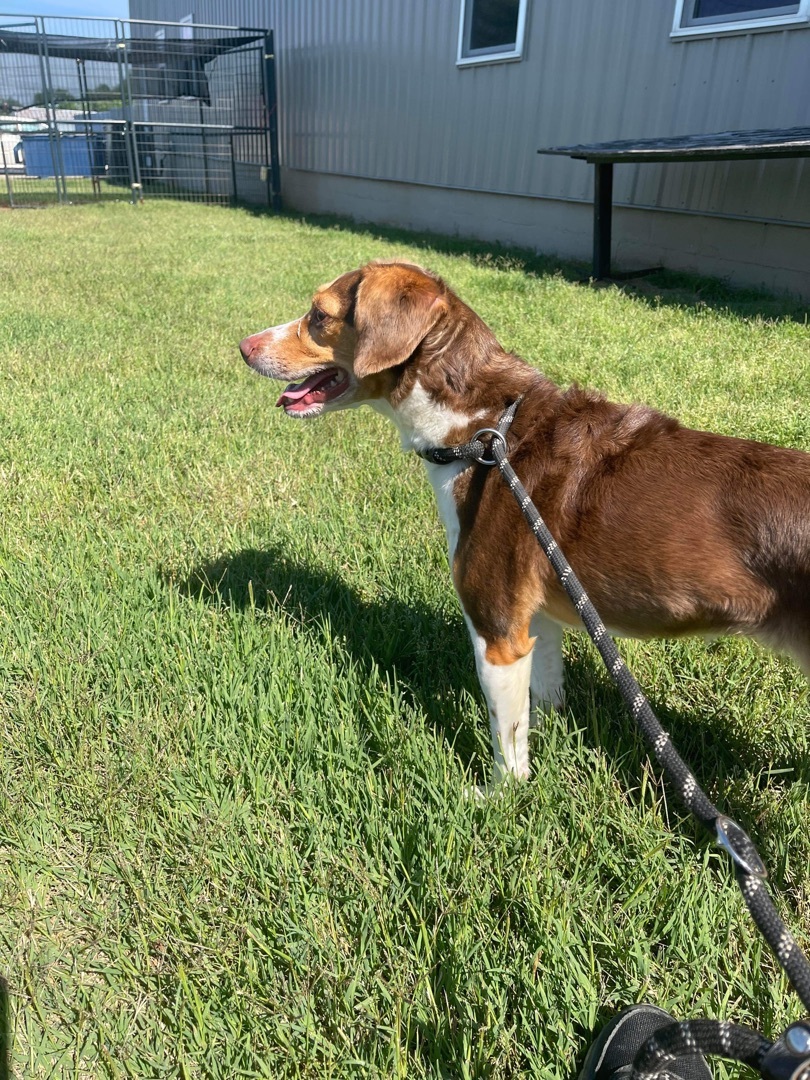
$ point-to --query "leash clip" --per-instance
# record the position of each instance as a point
(495, 435)
(740, 846)
(789, 1057)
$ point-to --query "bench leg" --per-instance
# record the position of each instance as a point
(602, 218)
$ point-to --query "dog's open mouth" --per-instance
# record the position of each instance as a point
(308, 397)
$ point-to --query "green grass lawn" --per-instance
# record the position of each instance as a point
(238, 709)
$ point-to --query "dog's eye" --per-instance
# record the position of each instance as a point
(317, 317)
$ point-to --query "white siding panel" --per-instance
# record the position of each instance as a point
(370, 88)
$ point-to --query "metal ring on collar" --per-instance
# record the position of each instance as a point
(495, 435)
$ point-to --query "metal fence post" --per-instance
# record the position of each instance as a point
(8, 176)
(51, 123)
(233, 170)
(130, 141)
(271, 105)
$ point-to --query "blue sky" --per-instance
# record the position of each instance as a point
(107, 9)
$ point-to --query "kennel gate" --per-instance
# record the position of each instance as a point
(100, 108)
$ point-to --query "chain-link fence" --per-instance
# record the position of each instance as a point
(98, 108)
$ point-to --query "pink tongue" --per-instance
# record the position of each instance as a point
(295, 392)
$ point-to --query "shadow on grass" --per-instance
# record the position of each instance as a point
(429, 655)
(669, 288)
(5, 1031)
(426, 653)
(716, 752)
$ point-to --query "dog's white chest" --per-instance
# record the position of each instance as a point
(423, 422)
(442, 480)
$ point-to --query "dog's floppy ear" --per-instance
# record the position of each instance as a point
(395, 308)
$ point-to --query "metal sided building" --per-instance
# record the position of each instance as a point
(429, 114)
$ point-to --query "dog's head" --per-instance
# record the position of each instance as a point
(344, 350)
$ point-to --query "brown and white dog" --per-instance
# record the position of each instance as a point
(671, 531)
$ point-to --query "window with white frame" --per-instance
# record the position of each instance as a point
(491, 30)
(694, 17)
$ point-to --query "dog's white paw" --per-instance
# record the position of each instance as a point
(478, 793)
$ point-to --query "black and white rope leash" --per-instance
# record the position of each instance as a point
(789, 1057)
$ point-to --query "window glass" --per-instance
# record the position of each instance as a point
(716, 16)
(708, 9)
(493, 24)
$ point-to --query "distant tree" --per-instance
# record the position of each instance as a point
(103, 96)
(9, 104)
(100, 96)
(58, 96)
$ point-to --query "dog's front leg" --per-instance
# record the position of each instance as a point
(547, 690)
(504, 675)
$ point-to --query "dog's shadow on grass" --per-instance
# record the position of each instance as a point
(423, 649)
(427, 652)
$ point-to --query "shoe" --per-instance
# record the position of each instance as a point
(613, 1052)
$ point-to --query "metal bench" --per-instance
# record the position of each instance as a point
(722, 146)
